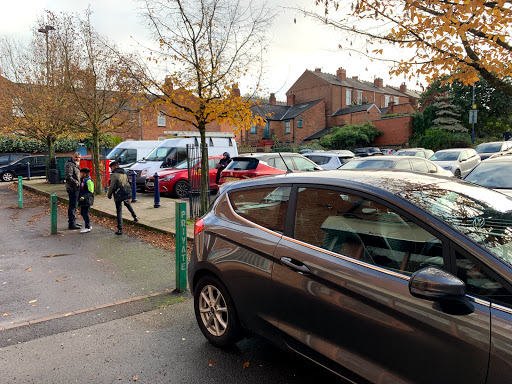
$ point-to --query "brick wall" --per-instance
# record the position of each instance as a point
(396, 130)
(401, 108)
(313, 120)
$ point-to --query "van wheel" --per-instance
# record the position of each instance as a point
(7, 176)
(181, 189)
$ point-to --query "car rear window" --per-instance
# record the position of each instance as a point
(379, 164)
(320, 160)
(243, 164)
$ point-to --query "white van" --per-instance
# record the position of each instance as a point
(128, 153)
(173, 151)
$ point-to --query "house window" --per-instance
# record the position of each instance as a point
(386, 100)
(161, 120)
(349, 96)
(299, 123)
(287, 126)
(396, 100)
(266, 131)
(359, 97)
(254, 130)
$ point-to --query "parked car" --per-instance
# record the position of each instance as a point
(6, 158)
(486, 150)
(419, 152)
(19, 168)
(175, 180)
(459, 161)
(407, 163)
(493, 173)
(265, 164)
(330, 159)
(367, 151)
(388, 151)
(378, 278)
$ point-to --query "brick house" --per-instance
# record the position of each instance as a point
(318, 101)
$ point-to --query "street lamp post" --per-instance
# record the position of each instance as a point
(45, 30)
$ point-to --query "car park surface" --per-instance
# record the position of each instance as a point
(493, 173)
(18, 167)
(459, 161)
(495, 148)
(408, 163)
(375, 276)
(265, 164)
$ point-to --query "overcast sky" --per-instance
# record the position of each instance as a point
(294, 47)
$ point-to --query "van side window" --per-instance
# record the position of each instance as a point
(181, 154)
(211, 142)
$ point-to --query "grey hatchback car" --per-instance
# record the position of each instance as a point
(376, 276)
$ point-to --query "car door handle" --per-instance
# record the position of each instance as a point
(294, 264)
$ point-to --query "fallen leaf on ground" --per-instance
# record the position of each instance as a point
(6, 314)
(211, 362)
(57, 280)
(28, 269)
(245, 365)
(135, 377)
(120, 378)
(32, 301)
(68, 314)
(183, 339)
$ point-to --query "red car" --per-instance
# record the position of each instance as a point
(265, 164)
(175, 180)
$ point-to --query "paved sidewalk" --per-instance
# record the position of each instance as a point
(161, 219)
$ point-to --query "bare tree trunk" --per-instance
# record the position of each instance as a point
(204, 190)
(50, 162)
(96, 160)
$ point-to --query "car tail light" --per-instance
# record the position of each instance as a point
(198, 226)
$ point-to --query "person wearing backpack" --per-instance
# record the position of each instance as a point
(122, 192)
(85, 197)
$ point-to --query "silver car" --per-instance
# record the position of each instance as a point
(331, 159)
(459, 161)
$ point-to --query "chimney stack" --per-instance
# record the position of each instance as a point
(354, 77)
(290, 99)
(235, 90)
(378, 82)
(341, 74)
(318, 69)
(272, 99)
(403, 88)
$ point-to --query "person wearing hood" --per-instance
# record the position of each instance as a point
(72, 176)
(223, 163)
(122, 192)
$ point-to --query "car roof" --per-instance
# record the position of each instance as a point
(329, 154)
(264, 156)
(388, 157)
(453, 149)
(504, 158)
(371, 180)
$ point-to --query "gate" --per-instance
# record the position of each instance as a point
(194, 178)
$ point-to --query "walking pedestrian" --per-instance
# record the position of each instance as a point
(86, 197)
(122, 192)
(507, 135)
(223, 163)
(72, 176)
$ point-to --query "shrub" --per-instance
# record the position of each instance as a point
(350, 136)
(436, 139)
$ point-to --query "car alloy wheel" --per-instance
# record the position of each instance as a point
(7, 176)
(457, 173)
(181, 189)
(215, 312)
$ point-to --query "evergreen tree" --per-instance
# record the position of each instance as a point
(447, 114)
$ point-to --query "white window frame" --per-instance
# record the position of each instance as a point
(359, 97)
(348, 96)
(396, 100)
(387, 98)
(161, 120)
(287, 127)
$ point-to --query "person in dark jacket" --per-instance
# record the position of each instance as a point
(86, 197)
(121, 190)
(223, 163)
(72, 176)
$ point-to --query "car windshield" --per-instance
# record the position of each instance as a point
(115, 153)
(488, 148)
(482, 215)
(184, 164)
(492, 175)
(406, 153)
(379, 164)
(445, 156)
(161, 153)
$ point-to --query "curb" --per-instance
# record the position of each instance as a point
(106, 214)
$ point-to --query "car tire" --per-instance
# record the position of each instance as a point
(457, 174)
(7, 176)
(218, 322)
(181, 189)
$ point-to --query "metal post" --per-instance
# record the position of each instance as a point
(53, 214)
(28, 171)
(181, 247)
(134, 186)
(157, 191)
(20, 192)
(473, 123)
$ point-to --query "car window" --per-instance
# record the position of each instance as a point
(365, 230)
(4, 158)
(23, 161)
(320, 160)
(302, 164)
(479, 282)
(431, 167)
(243, 164)
(277, 162)
(263, 206)
(463, 156)
(403, 164)
(419, 165)
(39, 160)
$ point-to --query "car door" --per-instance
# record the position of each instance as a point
(419, 165)
(37, 166)
(340, 281)
(213, 172)
(20, 166)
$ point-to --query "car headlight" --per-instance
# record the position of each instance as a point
(167, 178)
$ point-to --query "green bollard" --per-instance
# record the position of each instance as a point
(181, 247)
(53, 214)
(20, 192)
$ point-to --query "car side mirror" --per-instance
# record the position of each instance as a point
(435, 284)
(463, 159)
